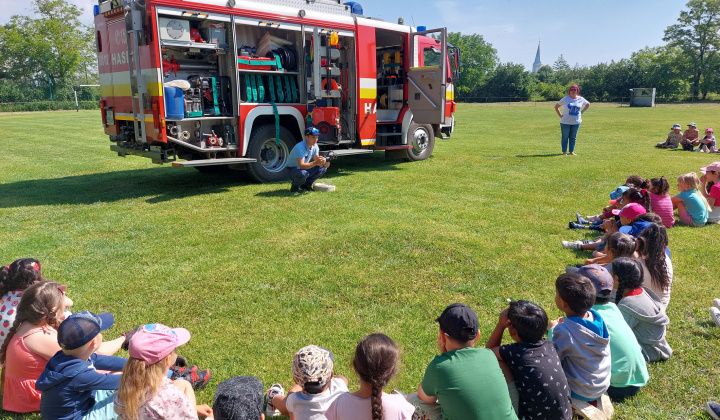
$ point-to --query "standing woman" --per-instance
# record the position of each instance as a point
(573, 106)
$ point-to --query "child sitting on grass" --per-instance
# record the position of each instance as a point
(533, 361)
(581, 338)
(628, 372)
(711, 190)
(641, 309)
(375, 362)
(463, 382)
(30, 343)
(691, 205)
(707, 143)
(71, 387)
(660, 200)
(673, 139)
(655, 260)
(145, 391)
(316, 386)
(14, 279)
(630, 196)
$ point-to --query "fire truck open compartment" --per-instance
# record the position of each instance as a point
(237, 85)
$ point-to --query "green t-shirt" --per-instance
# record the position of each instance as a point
(628, 363)
(468, 384)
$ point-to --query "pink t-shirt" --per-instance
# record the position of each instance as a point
(169, 403)
(662, 206)
(350, 407)
(714, 213)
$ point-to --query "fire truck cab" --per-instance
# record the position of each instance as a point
(233, 83)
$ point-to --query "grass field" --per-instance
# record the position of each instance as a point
(255, 273)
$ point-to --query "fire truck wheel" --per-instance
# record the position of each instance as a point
(422, 139)
(271, 157)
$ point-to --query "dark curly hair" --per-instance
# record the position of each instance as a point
(20, 275)
(660, 185)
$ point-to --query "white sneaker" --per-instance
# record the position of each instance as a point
(270, 410)
(715, 315)
(571, 245)
(716, 303)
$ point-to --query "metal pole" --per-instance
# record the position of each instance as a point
(77, 106)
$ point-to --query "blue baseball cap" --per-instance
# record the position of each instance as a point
(312, 131)
(618, 192)
(81, 327)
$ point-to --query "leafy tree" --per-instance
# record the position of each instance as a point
(478, 58)
(45, 51)
(661, 68)
(561, 64)
(545, 73)
(696, 34)
(509, 81)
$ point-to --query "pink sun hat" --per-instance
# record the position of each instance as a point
(155, 342)
(631, 211)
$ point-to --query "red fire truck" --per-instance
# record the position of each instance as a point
(233, 83)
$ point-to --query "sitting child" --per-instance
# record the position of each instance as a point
(673, 139)
(641, 309)
(533, 361)
(463, 382)
(711, 190)
(690, 137)
(691, 205)
(145, 391)
(628, 372)
(631, 196)
(707, 143)
(660, 200)
(316, 386)
(15, 278)
(655, 260)
(71, 387)
(581, 338)
(239, 398)
(375, 362)
(31, 341)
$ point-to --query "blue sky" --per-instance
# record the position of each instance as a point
(584, 32)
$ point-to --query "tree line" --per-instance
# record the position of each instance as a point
(43, 57)
(687, 67)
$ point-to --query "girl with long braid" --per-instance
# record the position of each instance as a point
(376, 362)
(654, 258)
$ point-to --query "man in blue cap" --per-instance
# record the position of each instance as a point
(305, 165)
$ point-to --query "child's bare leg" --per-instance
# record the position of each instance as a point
(279, 400)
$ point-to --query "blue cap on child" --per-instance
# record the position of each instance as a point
(618, 192)
(81, 327)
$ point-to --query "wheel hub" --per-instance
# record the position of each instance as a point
(420, 140)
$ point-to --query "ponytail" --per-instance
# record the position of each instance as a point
(376, 360)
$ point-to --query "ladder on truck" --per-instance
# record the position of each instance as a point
(138, 86)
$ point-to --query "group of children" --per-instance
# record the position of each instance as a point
(615, 323)
(690, 139)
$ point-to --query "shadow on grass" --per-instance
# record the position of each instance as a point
(546, 155)
(157, 184)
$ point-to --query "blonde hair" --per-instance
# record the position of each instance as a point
(691, 180)
(139, 380)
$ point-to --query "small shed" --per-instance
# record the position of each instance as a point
(642, 97)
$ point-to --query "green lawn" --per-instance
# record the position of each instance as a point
(256, 273)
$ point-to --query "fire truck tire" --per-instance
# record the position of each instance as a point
(422, 139)
(271, 158)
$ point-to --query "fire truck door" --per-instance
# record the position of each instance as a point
(427, 83)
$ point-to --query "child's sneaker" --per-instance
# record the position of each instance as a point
(198, 379)
(573, 225)
(595, 218)
(571, 245)
(270, 410)
(713, 409)
(715, 314)
(716, 303)
(580, 219)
